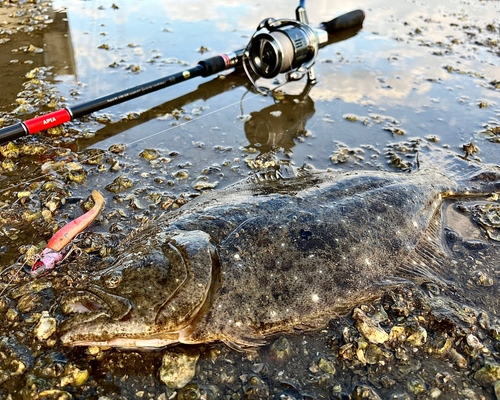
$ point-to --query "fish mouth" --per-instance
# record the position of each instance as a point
(92, 321)
(91, 303)
(165, 304)
(85, 303)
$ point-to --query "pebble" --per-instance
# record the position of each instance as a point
(419, 337)
(497, 389)
(12, 314)
(45, 327)
(434, 393)
(369, 328)
(74, 376)
(178, 367)
(488, 374)
(365, 392)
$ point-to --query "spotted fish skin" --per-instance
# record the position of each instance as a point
(295, 259)
(269, 256)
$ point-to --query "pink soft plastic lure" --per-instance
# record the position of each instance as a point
(55, 252)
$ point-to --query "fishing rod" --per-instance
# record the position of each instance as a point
(278, 46)
(204, 91)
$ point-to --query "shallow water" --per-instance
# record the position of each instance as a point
(423, 69)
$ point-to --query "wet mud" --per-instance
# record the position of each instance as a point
(416, 72)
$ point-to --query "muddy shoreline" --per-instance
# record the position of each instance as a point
(415, 73)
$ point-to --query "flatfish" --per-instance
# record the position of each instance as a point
(273, 253)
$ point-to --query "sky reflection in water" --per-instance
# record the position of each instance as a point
(395, 66)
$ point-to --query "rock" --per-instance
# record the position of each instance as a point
(256, 389)
(497, 389)
(483, 320)
(181, 174)
(326, 366)
(434, 393)
(470, 394)
(397, 334)
(482, 279)
(418, 338)
(457, 358)
(12, 314)
(474, 342)
(360, 352)
(54, 394)
(195, 392)
(416, 386)
(400, 396)
(375, 355)
(178, 367)
(10, 150)
(488, 374)
(365, 392)
(119, 184)
(369, 328)
(74, 376)
(149, 154)
(45, 327)
(205, 185)
(11, 368)
(4, 304)
(281, 350)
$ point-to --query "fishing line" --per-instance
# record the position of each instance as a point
(127, 144)
(57, 170)
(312, 39)
(243, 99)
(13, 277)
(194, 119)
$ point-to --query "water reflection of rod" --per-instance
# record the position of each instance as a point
(204, 92)
(342, 35)
(276, 126)
(269, 132)
(204, 68)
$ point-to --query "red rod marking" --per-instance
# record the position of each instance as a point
(47, 121)
(226, 60)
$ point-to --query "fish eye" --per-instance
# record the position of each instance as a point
(113, 281)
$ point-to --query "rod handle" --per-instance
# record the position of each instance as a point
(213, 65)
(345, 21)
(221, 62)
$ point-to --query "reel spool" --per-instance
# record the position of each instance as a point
(282, 46)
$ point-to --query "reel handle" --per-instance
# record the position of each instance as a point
(345, 21)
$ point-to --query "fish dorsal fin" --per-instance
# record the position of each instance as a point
(133, 233)
(428, 259)
(469, 175)
(284, 172)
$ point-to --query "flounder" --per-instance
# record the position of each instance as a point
(269, 255)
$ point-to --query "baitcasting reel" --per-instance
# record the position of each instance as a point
(284, 46)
